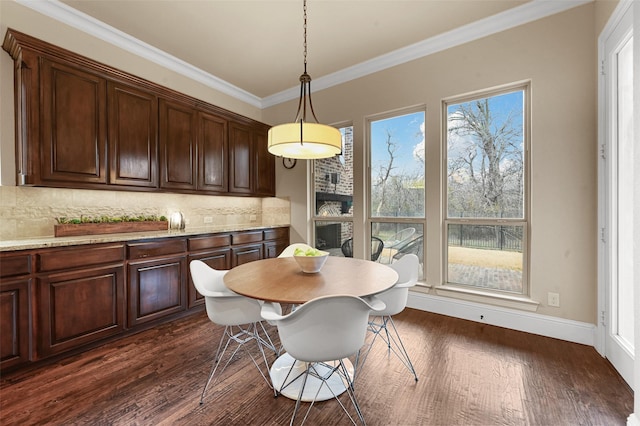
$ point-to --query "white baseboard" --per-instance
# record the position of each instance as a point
(530, 322)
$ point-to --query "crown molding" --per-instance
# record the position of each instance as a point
(528, 12)
(87, 24)
(511, 18)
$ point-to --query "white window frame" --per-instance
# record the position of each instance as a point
(524, 86)
(402, 220)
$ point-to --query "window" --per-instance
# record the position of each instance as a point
(486, 192)
(397, 185)
(333, 184)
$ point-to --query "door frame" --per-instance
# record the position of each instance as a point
(606, 151)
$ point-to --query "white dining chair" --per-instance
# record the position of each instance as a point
(395, 299)
(288, 252)
(240, 316)
(321, 334)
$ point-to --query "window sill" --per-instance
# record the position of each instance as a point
(504, 300)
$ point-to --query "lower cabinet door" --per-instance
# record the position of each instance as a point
(79, 307)
(15, 334)
(157, 288)
(245, 254)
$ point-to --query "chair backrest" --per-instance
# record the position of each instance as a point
(413, 246)
(224, 307)
(395, 298)
(347, 247)
(288, 252)
(206, 279)
(326, 329)
(376, 248)
(400, 237)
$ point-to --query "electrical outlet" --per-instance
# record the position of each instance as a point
(208, 219)
(553, 299)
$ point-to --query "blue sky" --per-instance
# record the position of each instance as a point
(407, 131)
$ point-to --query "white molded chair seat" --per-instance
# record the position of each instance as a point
(240, 315)
(288, 252)
(395, 300)
(323, 330)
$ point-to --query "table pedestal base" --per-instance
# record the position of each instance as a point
(291, 389)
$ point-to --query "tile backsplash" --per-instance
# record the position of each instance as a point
(28, 212)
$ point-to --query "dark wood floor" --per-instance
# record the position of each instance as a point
(470, 374)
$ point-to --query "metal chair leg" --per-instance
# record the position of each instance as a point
(392, 340)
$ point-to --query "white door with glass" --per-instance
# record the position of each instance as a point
(616, 195)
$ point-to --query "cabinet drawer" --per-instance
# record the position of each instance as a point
(69, 258)
(276, 234)
(14, 265)
(210, 241)
(246, 237)
(156, 248)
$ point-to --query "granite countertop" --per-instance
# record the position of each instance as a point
(44, 242)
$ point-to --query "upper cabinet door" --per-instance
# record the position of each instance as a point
(213, 152)
(74, 133)
(240, 159)
(133, 143)
(178, 133)
(265, 165)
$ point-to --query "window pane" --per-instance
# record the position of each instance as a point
(487, 256)
(330, 236)
(398, 240)
(397, 166)
(485, 157)
(334, 180)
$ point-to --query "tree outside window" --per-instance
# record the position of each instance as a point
(486, 191)
(397, 184)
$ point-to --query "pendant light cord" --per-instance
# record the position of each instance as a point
(305, 80)
(305, 35)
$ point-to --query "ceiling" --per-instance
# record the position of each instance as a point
(256, 46)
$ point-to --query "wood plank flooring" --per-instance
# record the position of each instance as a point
(469, 374)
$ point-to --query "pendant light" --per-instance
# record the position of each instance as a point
(302, 139)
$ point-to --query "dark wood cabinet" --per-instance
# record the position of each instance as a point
(79, 307)
(83, 124)
(56, 301)
(15, 324)
(213, 153)
(133, 141)
(265, 166)
(79, 296)
(251, 166)
(178, 132)
(157, 280)
(240, 154)
(276, 240)
(74, 125)
(245, 254)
